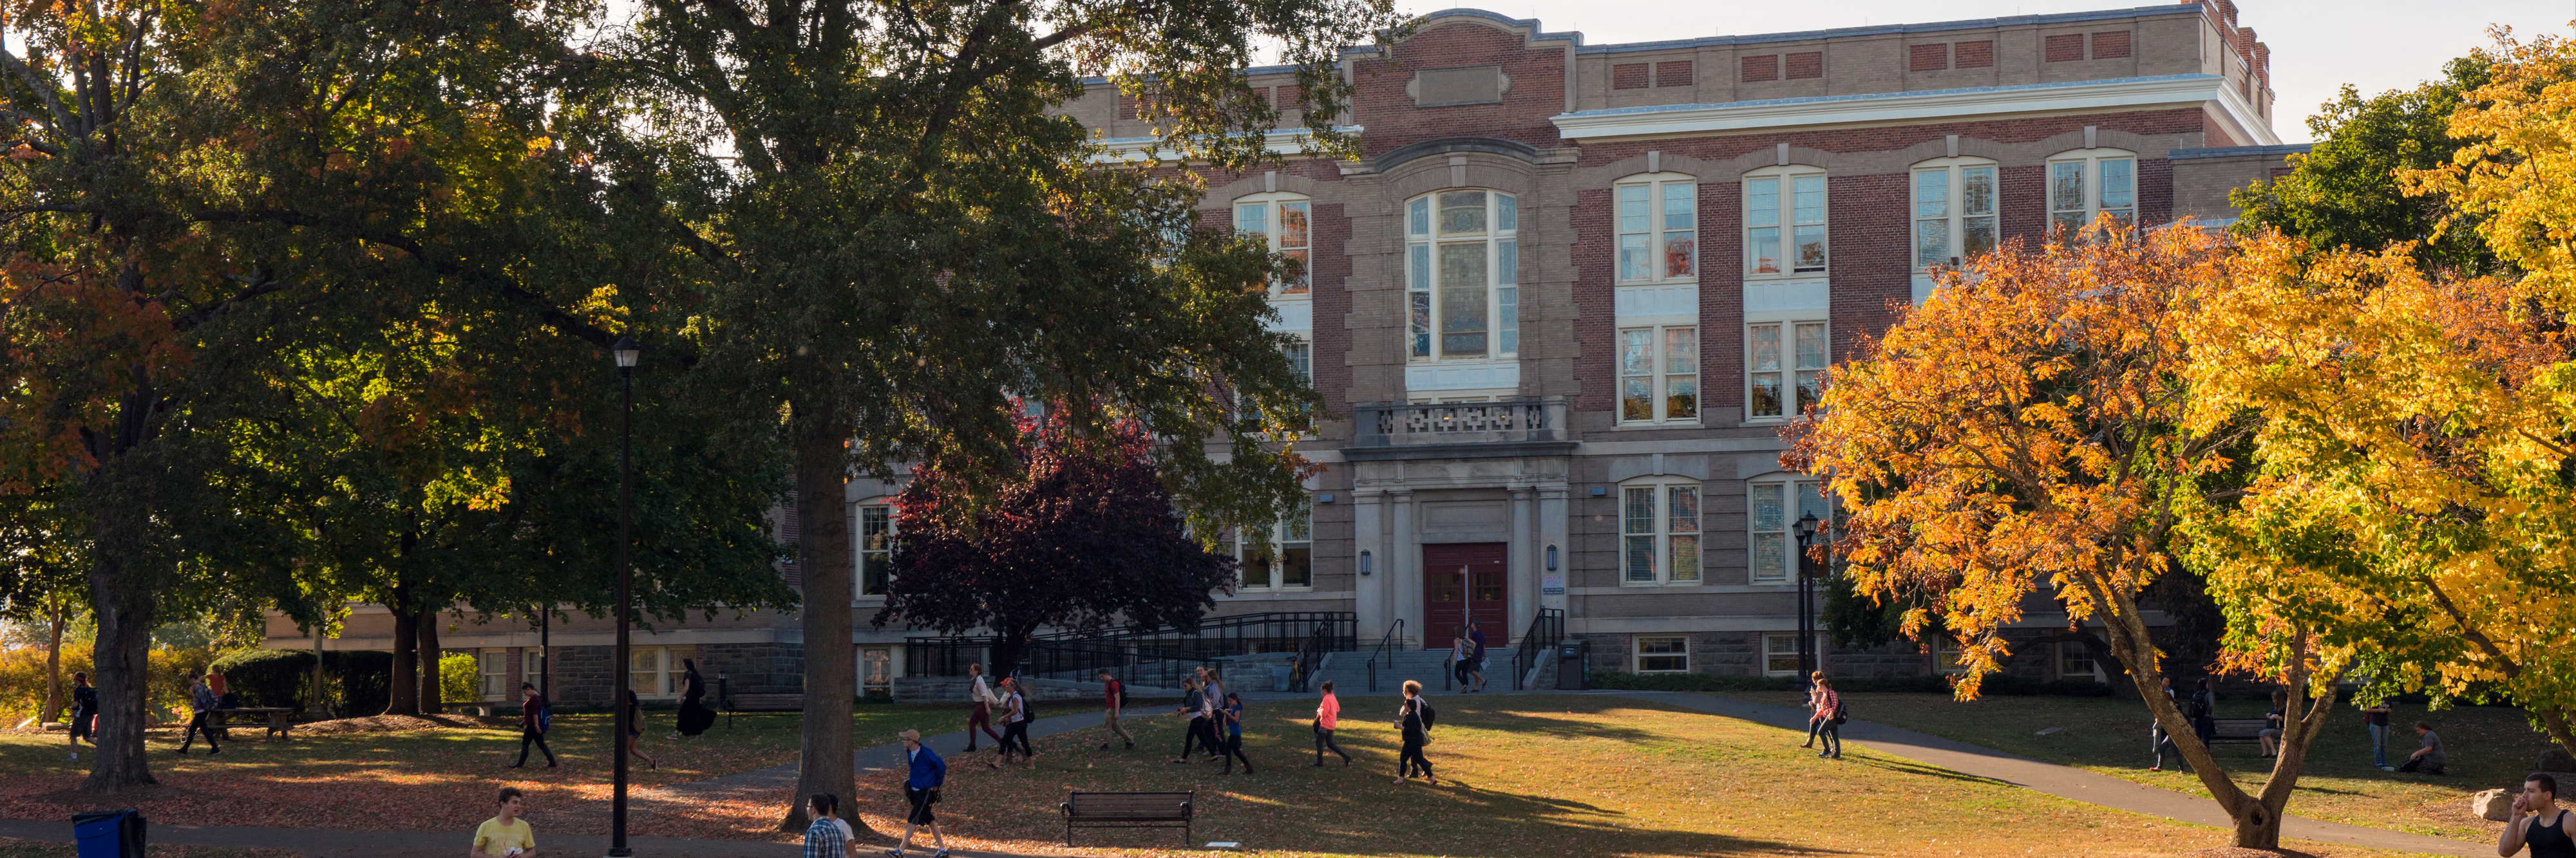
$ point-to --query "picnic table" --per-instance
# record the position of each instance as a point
(272, 717)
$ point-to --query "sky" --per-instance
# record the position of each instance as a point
(2317, 45)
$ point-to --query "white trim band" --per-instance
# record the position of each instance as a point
(1939, 104)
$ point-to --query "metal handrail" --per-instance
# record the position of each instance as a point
(1385, 650)
(1302, 670)
(1546, 630)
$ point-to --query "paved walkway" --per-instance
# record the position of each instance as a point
(1943, 755)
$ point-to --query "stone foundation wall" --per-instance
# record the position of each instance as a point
(952, 689)
(753, 668)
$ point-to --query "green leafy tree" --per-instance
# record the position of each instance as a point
(910, 235)
(2345, 191)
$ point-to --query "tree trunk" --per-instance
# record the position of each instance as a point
(122, 660)
(53, 664)
(430, 704)
(823, 558)
(403, 692)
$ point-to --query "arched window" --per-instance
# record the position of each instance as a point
(1658, 531)
(1658, 221)
(2086, 183)
(1954, 211)
(1285, 221)
(1784, 222)
(1462, 275)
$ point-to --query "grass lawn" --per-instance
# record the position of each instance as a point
(1533, 776)
(413, 780)
(2489, 747)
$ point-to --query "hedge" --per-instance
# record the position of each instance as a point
(2006, 686)
(354, 682)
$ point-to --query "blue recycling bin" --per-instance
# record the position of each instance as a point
(109, 833)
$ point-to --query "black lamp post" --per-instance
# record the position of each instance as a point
(626, 351)
(1806, 612)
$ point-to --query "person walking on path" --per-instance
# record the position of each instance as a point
(1815, 704)
(921, 790)
(1413, 722)
(2273, 720)
(1459, 652)
(1328, 715)
(1115, 693)
(2429, 758)
(1211, 697)
(201, 700)
(1827, 721)
(823, 839)
(2538, 822)
(2159, 742)
(694, 715)
(533, 719)
(1189, 706)
(1233, 715)
(635, 730)
(84, 708)
(2375, 718)
(984, 699)
(1015, 724)
(505, 835)
(1476, 657)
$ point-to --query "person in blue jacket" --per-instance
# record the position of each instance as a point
(920, 791)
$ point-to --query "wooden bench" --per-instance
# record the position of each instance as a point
(271, 717)
(753, 704)
(1127, 810)
(2236, 729)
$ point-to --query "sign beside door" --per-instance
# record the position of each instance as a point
(1463, 581)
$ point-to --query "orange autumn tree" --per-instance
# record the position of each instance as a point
(2017, 436)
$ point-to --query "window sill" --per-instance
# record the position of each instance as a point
(1683, 670)
(1687, 423)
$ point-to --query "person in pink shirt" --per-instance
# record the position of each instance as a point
(1828, 719)
(1328, 714)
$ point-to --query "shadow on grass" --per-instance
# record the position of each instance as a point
(1901, 765)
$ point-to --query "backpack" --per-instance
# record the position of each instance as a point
(2199, 705)
(1842, 712)
(545, 718)
(1429, 714)
(1121, 688)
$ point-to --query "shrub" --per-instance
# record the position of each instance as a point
(23, 680)
(460, 678)
(360, 681)
(268, 677)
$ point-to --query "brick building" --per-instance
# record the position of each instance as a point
(1564, 302)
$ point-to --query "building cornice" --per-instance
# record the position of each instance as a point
(1283, 141)
(1938, 105)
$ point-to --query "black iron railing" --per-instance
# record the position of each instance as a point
(1545, 631)
(1301, 671)
(1076, 655)
(1385, 652)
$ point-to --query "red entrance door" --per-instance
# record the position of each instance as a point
(1462, 582)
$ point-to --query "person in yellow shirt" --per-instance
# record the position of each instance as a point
(505, 836)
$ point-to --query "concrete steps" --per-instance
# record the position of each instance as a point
(1351, 669)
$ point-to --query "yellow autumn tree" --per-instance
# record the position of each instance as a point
(2019, 438)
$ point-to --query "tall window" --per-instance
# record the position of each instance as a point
(532, 669)
(1784, 221)
(1663, 653)
(1954, 211)
(1659, 230)
(1291, 568)
(1659, 374)
(1776, 507)
(1784, 368)
(875, 549)
(2075, 661)
(1659, 532)
(1283, 221)
(1462, 275)
(655, 671)
(2091, 182)
(495, 664)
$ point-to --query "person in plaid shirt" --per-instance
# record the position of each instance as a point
(824, 839)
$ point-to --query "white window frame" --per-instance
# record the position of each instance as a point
(1273, 210)
(2086, 200)
(1771, 649)
(1425, 312)
(2077, 649)
(1673, 548)
(1946, 653)
(1948, 212)
(1656, 220)
(1637, 653)
(862, 553)
(1797, 375)
(1288, 536)
(494, 685)
(1772, 541)
(893, 667)
(1652, 364)
(1788, 221)
(532, 668)
(668, 677)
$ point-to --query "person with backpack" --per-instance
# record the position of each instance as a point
(635, 730)
(1827, 722)
(1328, 715)
(1233, 715)
(694, 716)
(1015, 724)
(925, 773)
(84, 710)
(201, 699)
(1413, 721)
(2204, 713)
(1476, 658)
(1114, 693)
(534, 718)
(1815, 704)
